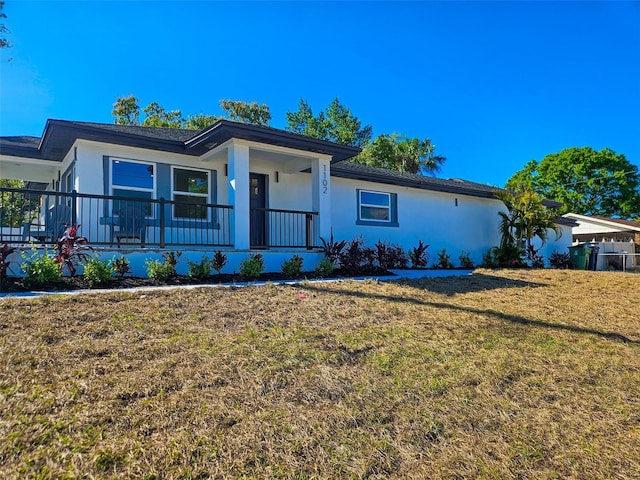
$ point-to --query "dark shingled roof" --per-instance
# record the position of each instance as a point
(172, 134)
(392, 177)
(59, 136)
(20, 146)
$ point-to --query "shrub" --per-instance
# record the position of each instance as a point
(160, 269)
(40, 268)
(97, 271)
(390, 256)
(490, 258)
(219, 261)
(324, 268)
(292, 267)
(419, 256)
(465, 260)
(252, 266)
(357, 259)
(332, 249)
(444, 260)
(121, 266)
(509, 256)
(199, 270)
(397, 257)
(535, 260)
(171, 258)
(560, 260)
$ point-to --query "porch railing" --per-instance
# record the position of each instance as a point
(273, 228)
(41, 216)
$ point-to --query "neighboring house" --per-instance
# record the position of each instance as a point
(236, 187)
(618, 240)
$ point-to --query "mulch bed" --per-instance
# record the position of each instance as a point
(17, 284)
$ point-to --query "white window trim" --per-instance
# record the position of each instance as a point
(136, 189)
(363, 204)
(207, 196)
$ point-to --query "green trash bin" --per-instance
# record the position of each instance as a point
(579, 256)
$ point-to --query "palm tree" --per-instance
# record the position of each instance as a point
(526, 217)
(535, 219)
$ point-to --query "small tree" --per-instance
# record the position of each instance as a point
(526, 217)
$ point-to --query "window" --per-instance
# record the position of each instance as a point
(375, 206)
(131, 179)
(191, 193)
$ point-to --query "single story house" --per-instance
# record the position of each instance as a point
(236, 187)
(617, 239)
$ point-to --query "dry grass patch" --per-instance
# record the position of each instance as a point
(509, 374)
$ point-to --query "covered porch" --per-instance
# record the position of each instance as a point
(232, 186)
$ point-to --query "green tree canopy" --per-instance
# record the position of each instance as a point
(126, 111)
(336, 124)
(397, 152)
(586, 181)
(240, 111)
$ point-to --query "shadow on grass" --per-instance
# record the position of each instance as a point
(454, 285)
(478, 282)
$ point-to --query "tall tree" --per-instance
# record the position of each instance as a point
(4, 41)
(397, 152)
(335, 124)
(246, 112)
(586, 181)
(200, 121)
(157, 116)
(126, 111)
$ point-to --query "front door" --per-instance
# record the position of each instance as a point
(257, 204)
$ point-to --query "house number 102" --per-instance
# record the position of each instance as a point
(325, 183)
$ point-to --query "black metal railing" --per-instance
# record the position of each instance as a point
(274, 228)
(42, 216)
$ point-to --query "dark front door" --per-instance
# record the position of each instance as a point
(257, 204)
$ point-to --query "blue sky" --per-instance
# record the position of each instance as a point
(493, 84)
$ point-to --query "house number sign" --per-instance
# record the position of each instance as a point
(325, 183)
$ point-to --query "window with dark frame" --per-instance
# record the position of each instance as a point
(134, 180)
(191, 193)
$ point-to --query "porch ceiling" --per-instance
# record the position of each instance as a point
(42, 171)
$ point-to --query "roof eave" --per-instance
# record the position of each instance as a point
(224, 130)
(405, 182)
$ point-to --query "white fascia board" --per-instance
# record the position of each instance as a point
(292, 152)
(599, 222)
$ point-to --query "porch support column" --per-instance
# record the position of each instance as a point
(321, 195)
(238, 170)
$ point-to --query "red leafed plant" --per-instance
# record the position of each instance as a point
(71, 249)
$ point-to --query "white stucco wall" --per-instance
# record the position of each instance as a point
(552, 245)
(432, 217)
